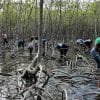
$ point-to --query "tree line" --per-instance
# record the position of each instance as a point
(62, 20)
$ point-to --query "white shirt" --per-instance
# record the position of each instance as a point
(5, 36)
(31, 44)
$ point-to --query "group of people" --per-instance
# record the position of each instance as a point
(87, 44)
(94, 51)
(62, 47)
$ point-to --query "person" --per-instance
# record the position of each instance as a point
(95, 52)
(80, 42)
(44, 41)
(36, 44)
(5, 39)
(21, 43)
(63, 49)
(31, 45)
(44, 44)
(86, 44)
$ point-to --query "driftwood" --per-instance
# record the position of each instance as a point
(31, 71)
(32, 77)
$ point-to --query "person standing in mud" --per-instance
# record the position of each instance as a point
(36, 44)
(31, 45)
(95, 52)
(44, 42)
(5, 37)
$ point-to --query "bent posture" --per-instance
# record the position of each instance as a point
(80, 42)
(86, 44)
(21, 43)
(63, 49)
(95, 52)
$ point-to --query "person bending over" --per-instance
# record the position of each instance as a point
(63, 49)
(86, 44)
(95, 52)
(21, 43)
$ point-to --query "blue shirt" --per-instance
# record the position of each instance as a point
(94, 53)
(96, 56)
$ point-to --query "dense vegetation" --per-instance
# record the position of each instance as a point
(60, 19)
(45, 75)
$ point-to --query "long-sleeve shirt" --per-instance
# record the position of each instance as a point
(96, 56)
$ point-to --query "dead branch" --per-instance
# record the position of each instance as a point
(31, 71)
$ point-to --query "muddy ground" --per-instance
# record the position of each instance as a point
(68, 80)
